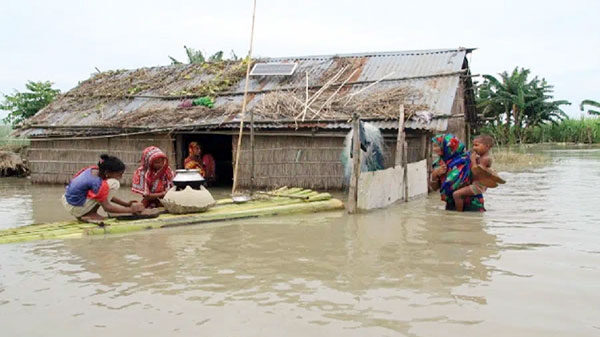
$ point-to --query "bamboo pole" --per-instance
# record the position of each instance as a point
(353, 190)
(400, 137)
(239, 144)
(405, 165)
(423, 146)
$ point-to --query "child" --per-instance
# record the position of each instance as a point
(94, 186)
(479, 156)
(153, 178)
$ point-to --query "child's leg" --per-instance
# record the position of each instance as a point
(92, 215)
(460, 195)
(113, 186)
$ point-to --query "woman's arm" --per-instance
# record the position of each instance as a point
(154, 195)
(122, 202)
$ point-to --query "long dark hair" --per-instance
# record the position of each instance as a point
(110, 164)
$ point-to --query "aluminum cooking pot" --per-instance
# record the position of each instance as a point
(191, 178)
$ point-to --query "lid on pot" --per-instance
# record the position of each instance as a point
(187, 175)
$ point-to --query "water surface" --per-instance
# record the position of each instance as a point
(530, 266)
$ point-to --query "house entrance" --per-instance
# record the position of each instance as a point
(217, 147)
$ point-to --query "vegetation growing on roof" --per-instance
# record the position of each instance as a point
(193, 80)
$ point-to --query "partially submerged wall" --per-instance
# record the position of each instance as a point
(55, 161)
(382, 188)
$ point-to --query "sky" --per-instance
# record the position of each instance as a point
(63, 41)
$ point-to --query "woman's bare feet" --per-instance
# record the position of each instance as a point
(92, 217)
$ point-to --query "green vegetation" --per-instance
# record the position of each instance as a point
(10, 144)
(196, 57)
(590, 103)
(512, 105)
(22, 105)
(584, 130)
(511, 159)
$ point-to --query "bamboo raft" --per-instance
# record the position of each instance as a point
(278, 202)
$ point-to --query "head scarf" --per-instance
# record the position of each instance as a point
(193, 160)
(450, 145)
(146, 180)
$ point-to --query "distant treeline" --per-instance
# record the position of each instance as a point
(584, 130)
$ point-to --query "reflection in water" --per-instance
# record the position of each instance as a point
(529, 266)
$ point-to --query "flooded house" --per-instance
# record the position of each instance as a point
(301, 106)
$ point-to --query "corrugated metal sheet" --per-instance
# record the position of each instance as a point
(430, 67)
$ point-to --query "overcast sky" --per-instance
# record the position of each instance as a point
(63, 40)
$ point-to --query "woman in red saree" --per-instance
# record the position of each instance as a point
(153, 178)
(205, 164)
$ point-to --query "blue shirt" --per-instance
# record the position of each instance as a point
(86, 185)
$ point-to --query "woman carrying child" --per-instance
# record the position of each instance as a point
(95, 186)
(452, 171)
(153, 178)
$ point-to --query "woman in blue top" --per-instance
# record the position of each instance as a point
(94, 186)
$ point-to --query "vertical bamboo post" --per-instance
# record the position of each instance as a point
(239, 143)
(405, 165)
(424, 146)
(353, 190)
(400, 137)
(428, 157)
(402, 151)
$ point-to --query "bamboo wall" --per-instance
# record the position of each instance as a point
(304, 161)
(55, 161)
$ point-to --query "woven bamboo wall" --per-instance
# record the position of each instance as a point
(55, 161)
(308, 162)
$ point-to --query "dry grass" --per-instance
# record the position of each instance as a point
(510, 160)
(11, 164)
(332, 105)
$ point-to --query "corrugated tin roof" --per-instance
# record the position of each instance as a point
(434, 73)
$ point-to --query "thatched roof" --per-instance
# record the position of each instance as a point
(373, 84)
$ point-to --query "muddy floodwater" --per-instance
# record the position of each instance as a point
(530, 266)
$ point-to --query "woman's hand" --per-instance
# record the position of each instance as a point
(137, 207)
(440, 170)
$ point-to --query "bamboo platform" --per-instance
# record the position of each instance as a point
(279, 202)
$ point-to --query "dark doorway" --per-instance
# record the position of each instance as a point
(219, 146)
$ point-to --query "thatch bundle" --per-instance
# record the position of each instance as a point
(11, 164)
(331, 104)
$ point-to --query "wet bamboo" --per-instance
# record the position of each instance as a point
(239, 144)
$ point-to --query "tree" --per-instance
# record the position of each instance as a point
(516, 103)
(22, 105)
(590, 103)
(196, 57)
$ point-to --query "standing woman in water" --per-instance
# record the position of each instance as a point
(452, 171)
